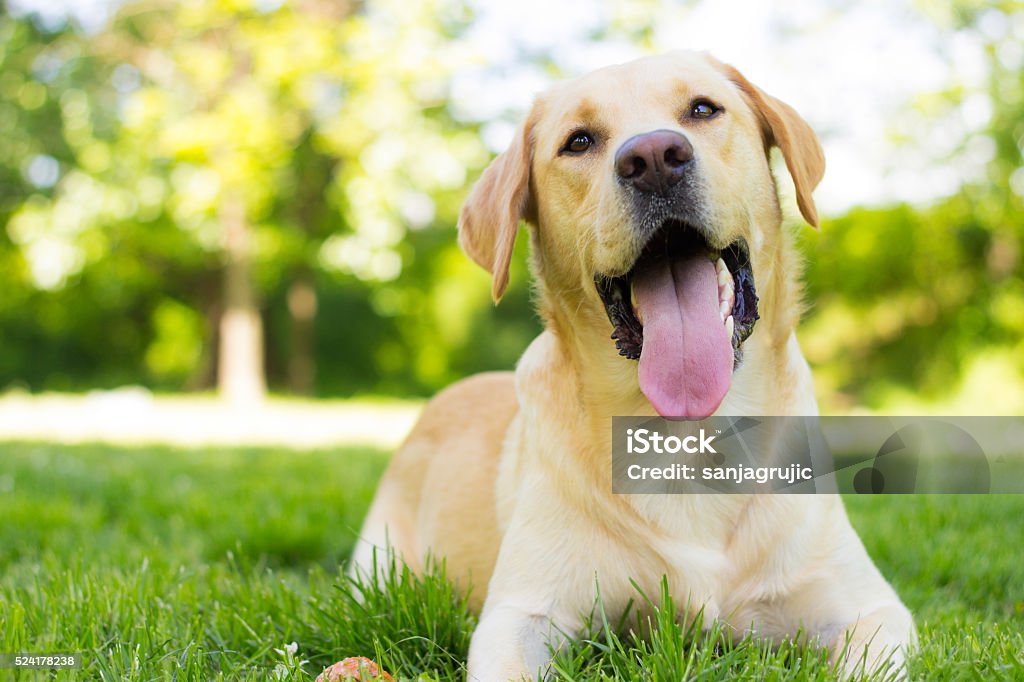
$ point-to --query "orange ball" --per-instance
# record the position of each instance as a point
(354, 668)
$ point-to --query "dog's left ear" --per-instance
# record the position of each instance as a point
(784, 128)
(490, 216)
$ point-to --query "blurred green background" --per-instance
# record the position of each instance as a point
(250, 196)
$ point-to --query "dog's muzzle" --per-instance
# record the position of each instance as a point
(684, 308)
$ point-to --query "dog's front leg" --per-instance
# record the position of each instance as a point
(512, 644)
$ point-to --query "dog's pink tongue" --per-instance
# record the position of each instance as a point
(686, 361)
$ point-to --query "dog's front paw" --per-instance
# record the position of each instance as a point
(876, 646)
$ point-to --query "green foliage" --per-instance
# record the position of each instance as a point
(906, 303)
(340, 151)
(328, 130)
(925, 305)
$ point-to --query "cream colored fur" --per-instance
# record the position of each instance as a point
(507, 477)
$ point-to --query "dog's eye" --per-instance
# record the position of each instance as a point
(702, 108)
(579, 142)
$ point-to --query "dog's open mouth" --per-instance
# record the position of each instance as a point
(683, 310)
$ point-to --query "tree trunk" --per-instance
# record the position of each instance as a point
(240, 376)
(302, 306)
(211, 299)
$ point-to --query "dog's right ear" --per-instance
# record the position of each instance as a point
(490, 216)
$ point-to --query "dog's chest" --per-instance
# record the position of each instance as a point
(689, 538)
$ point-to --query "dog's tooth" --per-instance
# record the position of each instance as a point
(724, 309)
(726, 292)
(632, 302)
(723, 276)
(729, 325)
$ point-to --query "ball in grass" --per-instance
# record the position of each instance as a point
(354, 668)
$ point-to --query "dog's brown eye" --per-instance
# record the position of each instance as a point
(578, 142)
(703, 109)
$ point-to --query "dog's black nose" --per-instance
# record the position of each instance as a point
(654, 162)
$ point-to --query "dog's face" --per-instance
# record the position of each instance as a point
(650, 193)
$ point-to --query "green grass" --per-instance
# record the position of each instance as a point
(198, 564)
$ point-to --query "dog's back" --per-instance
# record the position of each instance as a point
(438, 494)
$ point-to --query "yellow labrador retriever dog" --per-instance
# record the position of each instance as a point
(653, 220)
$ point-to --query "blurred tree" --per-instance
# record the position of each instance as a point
(49, 86)
(226, 96)
(194, 180)
(919, 304)
(281, 146)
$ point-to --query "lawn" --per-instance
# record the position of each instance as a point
(198, 564)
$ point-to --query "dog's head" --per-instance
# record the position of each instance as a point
(650, 198)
